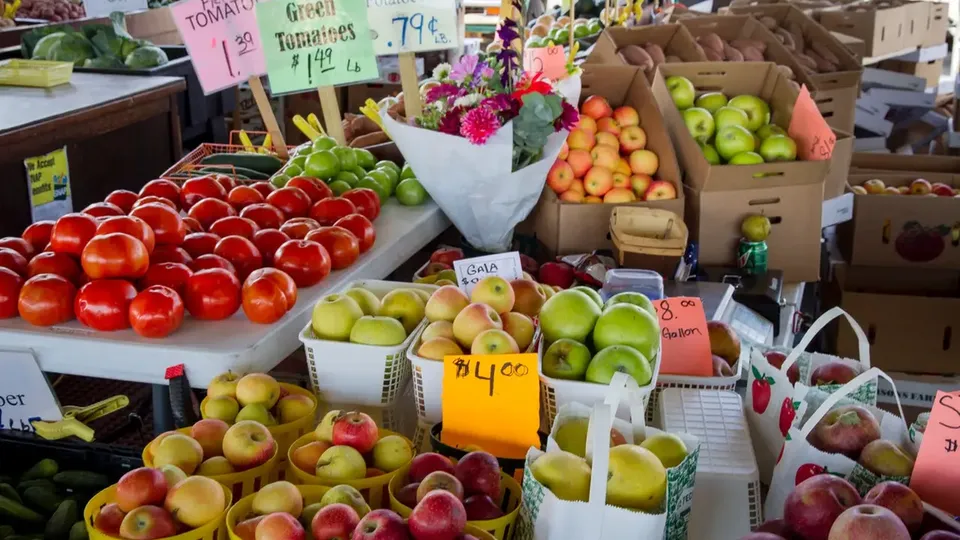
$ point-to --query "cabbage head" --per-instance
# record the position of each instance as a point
(146, 57)
(104, 62)
(71, 48)
(42, 48)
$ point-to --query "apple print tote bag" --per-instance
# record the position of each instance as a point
(831, 440)
(544, 516)
(770, 407)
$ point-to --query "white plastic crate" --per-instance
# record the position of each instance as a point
(696, 383)
(726, 497)
(368, 375)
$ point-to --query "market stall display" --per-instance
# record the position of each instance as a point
(93, 45)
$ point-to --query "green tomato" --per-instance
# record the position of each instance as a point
(322, 164)
(292, 170)
(348, 178)
(393, 175)
(279, 180)
(381, 178)
(407, 172)
(324, 143)
(370, 183)
(411, 193)
(299, 161)
(360, 172)
(534, 43)
(348, 159)
(388, 163)
(339, 187)
(365, 158)
(581, 31)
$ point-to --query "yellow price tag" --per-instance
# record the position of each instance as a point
(49, 178)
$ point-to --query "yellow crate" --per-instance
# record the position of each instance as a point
(36, 73)
(215, 530)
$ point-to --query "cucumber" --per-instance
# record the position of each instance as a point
(45, 468)
(81, 480)
(249, 173)
(7, 491)
(258, 162)
(60, 523)
(41, 499)
(5, 531)
(15, 510)
(78, 531)
(39, 482)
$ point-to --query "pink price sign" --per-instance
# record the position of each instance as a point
(223, 40)
(551, 61)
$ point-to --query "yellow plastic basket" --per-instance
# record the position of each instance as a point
(373, 489)
(215, 530)
(36, 73)
(500, 528)
(241, 483)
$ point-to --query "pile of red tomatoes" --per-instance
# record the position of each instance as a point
(135, 261)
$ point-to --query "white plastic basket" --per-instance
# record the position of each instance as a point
(360, 374)
(697, 383)
(726, 502)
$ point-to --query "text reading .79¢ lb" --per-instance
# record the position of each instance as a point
(412, 25)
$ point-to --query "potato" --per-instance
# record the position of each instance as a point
(636, 56)
(826, 53)
(732, 54)
(655, 52)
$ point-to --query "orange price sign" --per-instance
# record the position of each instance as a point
(685, 344)
(491, 402)
(551, 61)
(937, 469)
(815, 140)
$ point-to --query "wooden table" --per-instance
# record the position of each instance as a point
(120, 131)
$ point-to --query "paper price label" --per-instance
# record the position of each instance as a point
(25, 395)
(551, 61)
(491, 402)
(412, 25)
(684, 341)
(937, 469)
(815, 140)
(103, 8)
(471, 271)
(308, 44)
(223, 40)
(49, 183)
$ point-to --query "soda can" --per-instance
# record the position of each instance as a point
(752, 257)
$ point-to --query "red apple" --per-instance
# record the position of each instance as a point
(424, 464)
(446, 255)
(407, 495)
(940, 535)
(440, 480)
(381, 524)
(334, 521)
(776, 359)
(813, 506)
(481, 507)
(357, 430)
(762, 536)
(900, 500)
(479, 472)
(845, 430)
(556, 273)
(147, 523)
(439, 516)
(140, 487)
(833, 373)
(776, 527)
(247, 529)
(109, 519)
(868, 521)
(529, 264)
(280, 526)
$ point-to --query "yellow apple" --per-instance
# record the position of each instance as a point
(179, 450)
(669, 448)
(324, 429)
(520, 327)
(258, 388)
(445, 304)
(368, 302)
(215, 466)
(248, 444)
(294, 407)
(152, 447)
(529, 298)
(279, 496)
(436, 329)
(437, 348)
(637, 480)
(404, 305)
(256, 412)
(224, 384)
(391, 452)
(424, 295)
(495, 292)
(222, 408)
(494, 341)
(347, 495)
(564, 474)
(196, 501)
(340, 464)
(173, 474)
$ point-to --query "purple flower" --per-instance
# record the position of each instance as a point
(442, 91)
(464, 68)
(568, 117)
(506, 107)
(479, 124)
(486, 72)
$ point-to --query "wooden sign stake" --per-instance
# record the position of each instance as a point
(266, 112)
(331, 114)
(411, 84)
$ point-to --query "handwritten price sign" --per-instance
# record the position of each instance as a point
(223, 41)
(25, 395)
(815, 140)
(551, 61)
(937, 469)
(471, 271)
(685, 343)
(413, 25)
(316, 43)
(491, 401)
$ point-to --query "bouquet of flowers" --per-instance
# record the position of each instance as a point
(485, 141)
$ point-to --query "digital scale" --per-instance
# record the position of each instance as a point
(719, 305)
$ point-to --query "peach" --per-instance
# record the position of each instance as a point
(592, 199)
(596, 107)
(587, 124)
(572, 196)
(528, 297)
(577, 186)
(619, 195)
(626, 116)
(644, 162)
(632, 138)
(307, 456)
(608, 139)
(623, 167)
(581, 140)
(660, 190)
(580, 161)
(609, 125)
(209, 433)
(598, 181)
(560, 176)
(640, 183)
(605, 156)
(564, 150)
(621, 180)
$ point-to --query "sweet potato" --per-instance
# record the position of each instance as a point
(656, 53)
(825, 52)
(797, 32)
(823, 65)
(755, 43)
(712, 55)
(711, 41)
(786, 71)
(369, 139)
(787, 39)
(769, 22)
(636, 56)
(732, 54)
(673, 59)
(806, 61)
(750, 54)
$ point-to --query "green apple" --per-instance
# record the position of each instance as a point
(581, 30)
(348, 495)
(669, 448)
(347, 157)
(682, 91)
(778, 148)
(383, 179)
(391, 452)
(729, 116)
(637, 480)
(222, 408)
(292, 170)
(733, 140)
(387, 163)
(710, 153)
(404, 305)
(365, 158)
(370, 183)
(411, 193)
(769, 130)
(619, 358)
(407, 172)
(562, 36)
(310, 510)
(380, 331)
(367, 301)
(323, 164)
(324, 143)
(359, 172)
(279, 180)
(628, 324)
(257, 412)
(339, 187)
(568, 314)
(635, 298)
(566, 359)
(566, 475)
(595, 26)
(592, 293)
(755, 228)
(339, 464)
(334, 316)
(699, 123)
(711, 101)
(757, 110)
(392, 175)
(348, 177)
(746, 158)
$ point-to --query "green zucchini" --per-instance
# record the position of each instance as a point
(258, 162)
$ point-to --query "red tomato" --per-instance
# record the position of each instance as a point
(210, 260)
(268, 241)
(156, 312)
(265, 188)
(196, 189)
(305, 261)
(38, 234)
(207, 211)
(263, 301)
(170, 253)
(123, 198)
(361, 227)
(293, 202)
(298, 227)
(192, 225)
(315, 189)
(131, 225)
(103, 209)
(212, 294)
(266, 216)
(242, 196)
(173, 275)
(10, 284)
(46, 300)
(227, 182)
(153, 199)
(115, 255)
(163, 188)
(104, 304)
(241, 252)
(342, 246)
(281, 278)
(19, 245)
(71, 232)
(60, 264)
(234, 226)
(200, 243)
(13, 260)
(329, 210)
(167, 226)
(366, 200)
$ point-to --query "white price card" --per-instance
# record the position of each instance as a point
(103, 8)
(25, 395)
(470, 271)
(412, 25)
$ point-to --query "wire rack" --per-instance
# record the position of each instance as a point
(189, 165)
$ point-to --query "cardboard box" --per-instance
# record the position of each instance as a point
(674, 39)
(835, 183)
(937, 23)
(864, 162)
(882, 30)
(565, 228)
(714, 219)
(154, 25)
(929, 71)
(761, 79)
(910, 231)
(910, 318)
(855, 45)
(916, 392)
(917, 23)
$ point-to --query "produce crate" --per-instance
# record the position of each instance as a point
(21, 450)
(35, 73)
(191, 162)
